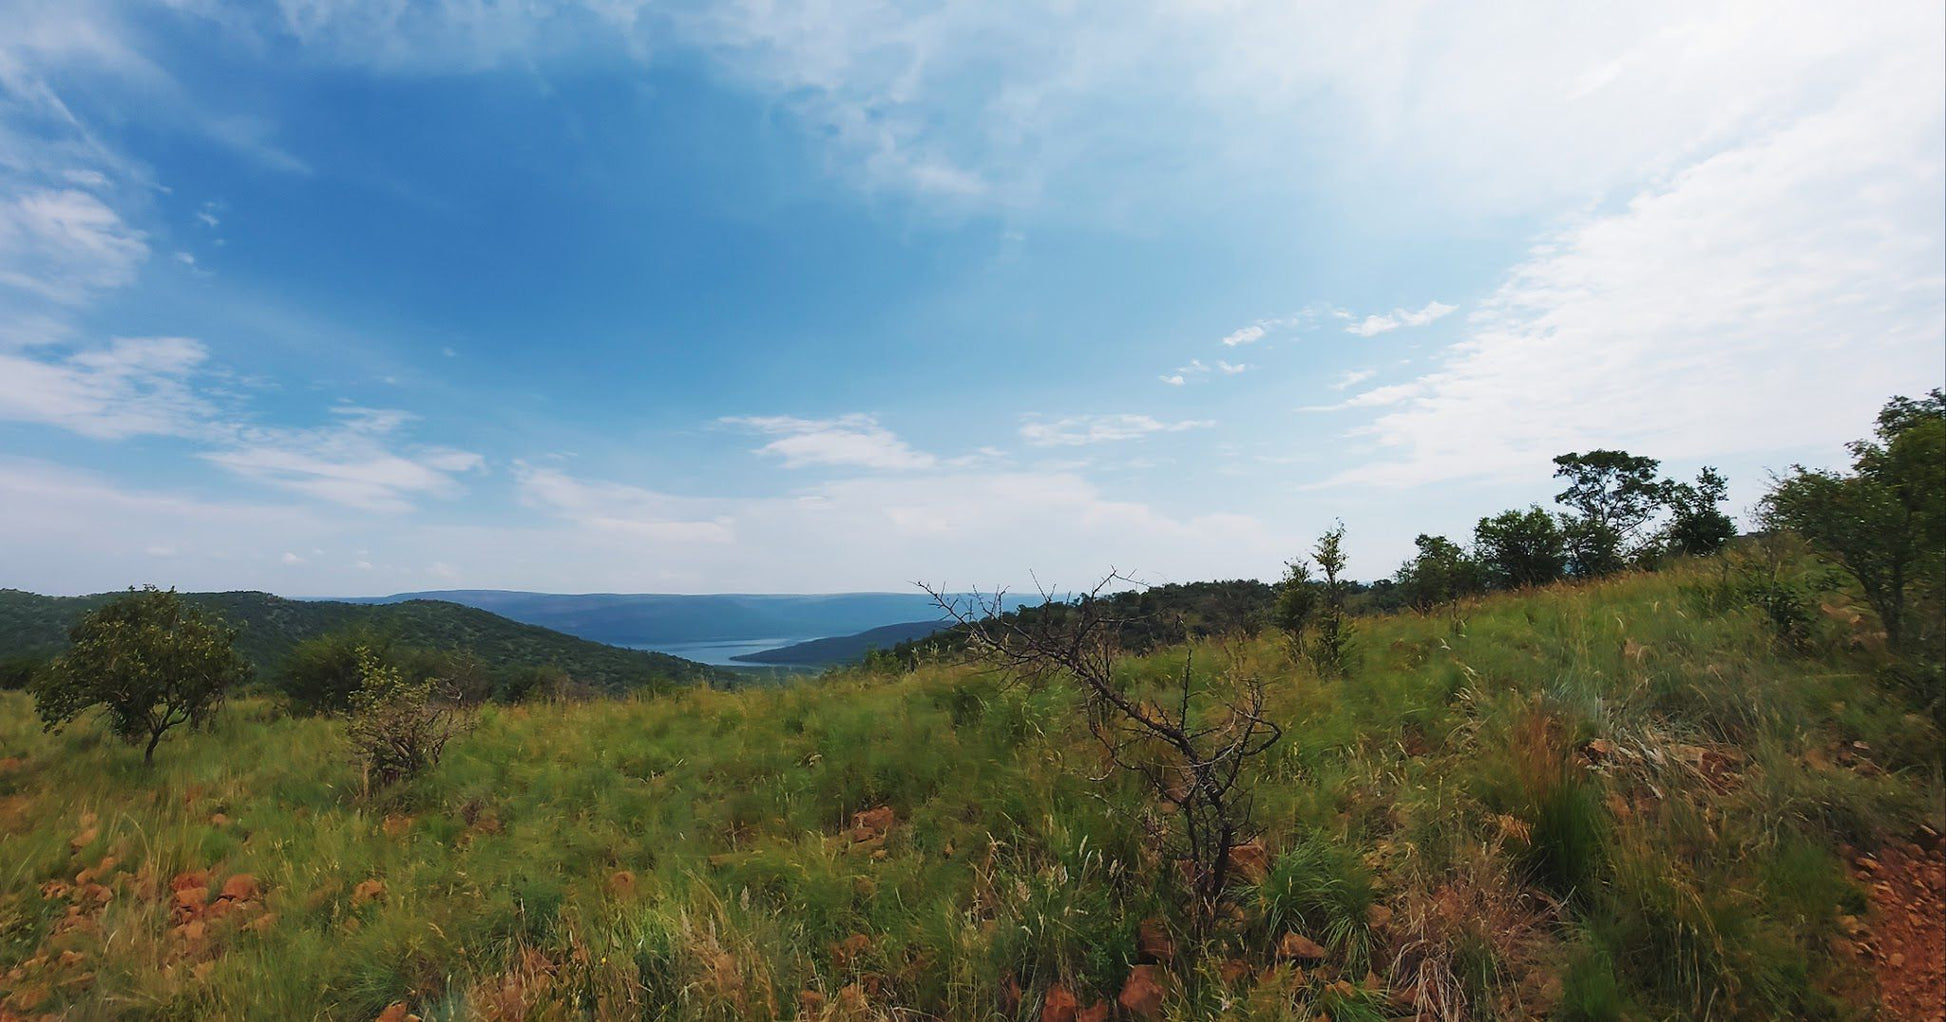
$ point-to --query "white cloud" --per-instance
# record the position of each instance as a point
(1371, 326)
(850, 440)
(1076, 430)
(352, 462)
(129, 387)
(65, 245)
(1768, 297)
(1244, 335)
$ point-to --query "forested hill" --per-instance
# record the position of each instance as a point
(268, 627)
(843, 649)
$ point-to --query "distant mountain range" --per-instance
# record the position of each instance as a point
(650, 619)
(269, 626)
(844, 649)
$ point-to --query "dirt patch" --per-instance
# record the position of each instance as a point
(1904, 939)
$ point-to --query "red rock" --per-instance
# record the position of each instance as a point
(1059, 1005)
(396, 1012)
(1096, 1012)
(1300, 947)
(845, 953)
(1251, 861)
(1152, 940)
(810, 1003)
(368, 890)
(873, 822)
(1143, 993)
(1232, 970)
(241, 887)
(621, 881)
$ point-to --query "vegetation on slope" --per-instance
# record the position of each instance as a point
(843, 649)
(270, 627)
(1618, 799)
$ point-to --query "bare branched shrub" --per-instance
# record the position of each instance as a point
(398, 727)
(1190, 747)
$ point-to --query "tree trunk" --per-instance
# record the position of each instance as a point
(148, 754)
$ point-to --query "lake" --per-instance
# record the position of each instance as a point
(719, 652)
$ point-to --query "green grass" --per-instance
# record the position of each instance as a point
(1691, 872)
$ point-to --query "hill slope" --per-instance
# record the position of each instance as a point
(844, 649)
(269, 626)
(1624, 800)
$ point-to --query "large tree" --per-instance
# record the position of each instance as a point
(1884, 522)
(151, 660)
(1610, 495)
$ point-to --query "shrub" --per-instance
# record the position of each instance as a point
(321, 674)
(399, 727)
(1331, 651)
(18, 672)
(150, 659)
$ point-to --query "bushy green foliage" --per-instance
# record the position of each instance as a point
(149, 660)
(1697, 525)
(1440, 572)
(16, 672)
(398, 726)
(1518, 549)
(1885, 521)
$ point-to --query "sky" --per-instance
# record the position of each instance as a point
(344, 297)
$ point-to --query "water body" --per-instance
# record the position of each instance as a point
(719, 651)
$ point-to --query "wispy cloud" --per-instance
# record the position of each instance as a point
(129, 387)
(1352, 378)
(1076, 430)
(855, 440)
(354, 461)
(65, 245)
(1374, 325)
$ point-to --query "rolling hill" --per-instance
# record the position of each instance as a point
(269, 626)
(844, 649)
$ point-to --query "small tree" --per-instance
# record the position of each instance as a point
(1885, 521)
(1520, 548)
(1697, 526)
(1190, 747)
(1611, 494)
(1331, 651)
(150, 660)
(1297, 601)
(398, 726)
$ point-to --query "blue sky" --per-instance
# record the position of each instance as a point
(361, 296)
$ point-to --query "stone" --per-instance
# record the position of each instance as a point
(1143, 993)
(1300, 947)
(241, 887)
(1152, 940)
(1059, 1005)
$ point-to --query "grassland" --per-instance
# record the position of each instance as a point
(1621, 800)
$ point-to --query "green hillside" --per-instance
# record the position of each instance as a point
(270, 626)
(1626, 799)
